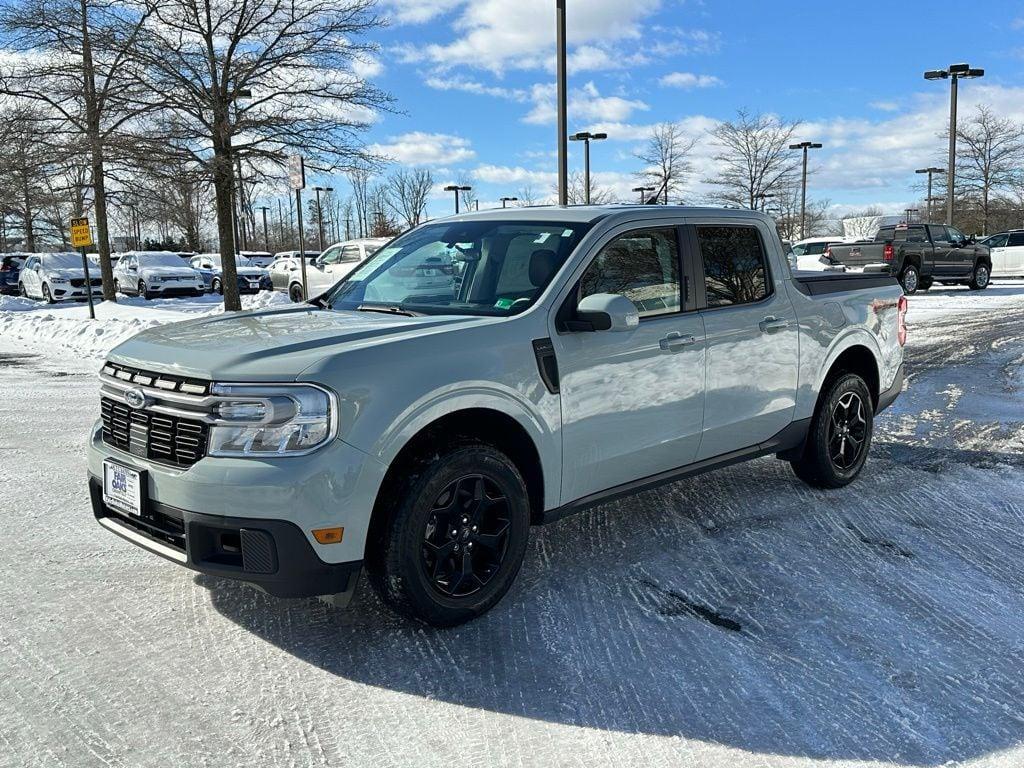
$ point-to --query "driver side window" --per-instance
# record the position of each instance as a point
(643, 266)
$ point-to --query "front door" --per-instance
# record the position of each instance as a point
(632, 401)
(962, 252)
(30, 277)
(752, 339)
(944, 260)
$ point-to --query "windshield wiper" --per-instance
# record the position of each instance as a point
(387, 310)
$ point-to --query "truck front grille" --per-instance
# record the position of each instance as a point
(169, 440)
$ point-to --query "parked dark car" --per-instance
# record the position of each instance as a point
(10, 268)
(918, 255)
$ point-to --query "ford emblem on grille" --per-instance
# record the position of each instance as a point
(136, 398)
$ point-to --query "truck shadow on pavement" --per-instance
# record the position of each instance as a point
(884, 621)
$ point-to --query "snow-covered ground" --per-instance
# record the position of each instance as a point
(735, 619)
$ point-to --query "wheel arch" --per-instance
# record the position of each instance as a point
(489, 425)
(856, 357)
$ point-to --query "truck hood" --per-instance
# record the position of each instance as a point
(266, 345)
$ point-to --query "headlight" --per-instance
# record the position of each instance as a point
(57, 279)
(271, 419)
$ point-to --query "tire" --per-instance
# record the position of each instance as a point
(142, 290)
(295, 293)
(925, 284)
(21, 291)
(47, 296)
(434, 527)
(216, 287)
(910, 279)
(826, 461)
(981, 277)
(117, 287)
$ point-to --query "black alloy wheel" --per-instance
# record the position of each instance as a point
(466, 537)
(847, 431)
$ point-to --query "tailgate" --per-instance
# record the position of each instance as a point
(859, 254)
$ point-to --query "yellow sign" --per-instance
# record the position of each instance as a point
(81, 234)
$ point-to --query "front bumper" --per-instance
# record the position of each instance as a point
(176, 289)
(74, 293)
(271, 554)
(254, 286)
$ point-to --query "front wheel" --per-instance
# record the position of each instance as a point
(910, 279)
(47, 296)
(840, 435)
(453, 536)
(980, 278)
(295, 293)
(143, 292)
(217, 288)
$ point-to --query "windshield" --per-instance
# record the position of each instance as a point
(240, 261)
(810, 249)
(160, 260)
(61, 261)
(475, 267)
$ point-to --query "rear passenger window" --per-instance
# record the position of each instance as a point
(735, 271)
(643, 266)
(1016, 238)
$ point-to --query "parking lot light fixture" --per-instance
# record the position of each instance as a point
(586, 138)
(643, 193)
(954, 73)
(910, 214)
(804, 146)
(931, 171)
(456, 188)
(505, 200)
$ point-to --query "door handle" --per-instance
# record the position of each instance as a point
(773, 324)
(676, 340)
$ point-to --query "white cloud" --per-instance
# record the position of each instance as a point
(367, 67)
(495, 34)
(443, 82)
(687, 80)
(885, 106)
(418, 11)
(420, 148)
(586, 103)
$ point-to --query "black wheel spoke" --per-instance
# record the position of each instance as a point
(466, 536)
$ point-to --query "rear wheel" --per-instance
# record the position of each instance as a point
(295, 293)
(910, 279)
(840, 435)
(980, 278)
(21, 290)
(454, 535)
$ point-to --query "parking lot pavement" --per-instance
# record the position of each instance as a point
(735, 619)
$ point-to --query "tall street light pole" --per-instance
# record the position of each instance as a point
(586, 138)
(955, 73)
(457, 190)
(643, 193)
(563, 130)
(508, 200)
(931, 172)
(804, 145)
(320, 214)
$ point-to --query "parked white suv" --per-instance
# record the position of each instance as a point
(56, 277)
(1007, 252)
(331, 265)
(156, 273)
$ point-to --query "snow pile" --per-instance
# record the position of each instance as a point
(68, 325)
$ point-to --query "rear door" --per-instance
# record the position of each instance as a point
(752, 337)
(1000, 255)
(632, 401)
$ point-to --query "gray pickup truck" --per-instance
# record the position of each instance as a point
(918, 255)
(478, 375)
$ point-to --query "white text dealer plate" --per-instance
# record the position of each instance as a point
(122, 488)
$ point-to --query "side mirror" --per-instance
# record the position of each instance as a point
(608, 312)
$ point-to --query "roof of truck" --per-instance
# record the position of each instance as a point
(594, 213)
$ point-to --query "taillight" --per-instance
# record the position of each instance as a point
(901, 320)
(887, 252)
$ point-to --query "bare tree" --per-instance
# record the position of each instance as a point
(468, 197)
(26, 167)
(785, 208)
(526, 195)
(990, 159)
(577, 193)
(666, 162)
(259, 79)
(753, 158)
(862, 225)
(359, 178)
(75, 61)
(407, 194)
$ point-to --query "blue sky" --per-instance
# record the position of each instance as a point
(474, 83)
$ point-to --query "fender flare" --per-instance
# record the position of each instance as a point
(850, 337)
